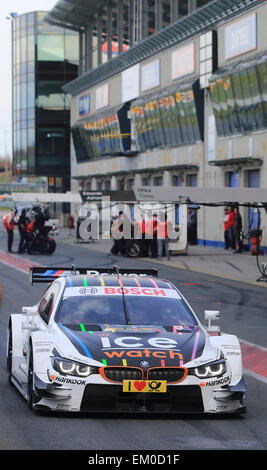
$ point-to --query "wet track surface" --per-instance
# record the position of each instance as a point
(243, 310)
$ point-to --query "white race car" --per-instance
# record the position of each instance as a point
(121, 340)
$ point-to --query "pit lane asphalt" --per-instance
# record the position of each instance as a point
(243, 313)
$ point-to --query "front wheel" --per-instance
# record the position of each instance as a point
(31, 394)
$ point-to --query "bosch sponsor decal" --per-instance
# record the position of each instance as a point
(134, 291)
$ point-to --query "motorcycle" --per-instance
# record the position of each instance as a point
(41, 242)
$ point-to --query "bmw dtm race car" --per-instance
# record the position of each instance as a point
(120, 340)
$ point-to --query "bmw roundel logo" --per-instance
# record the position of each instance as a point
(144, 364)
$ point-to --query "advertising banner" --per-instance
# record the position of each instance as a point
(102, 96)
(184, 61)
(84, 104)
(241, 36)
(130, 83)
(150, 75)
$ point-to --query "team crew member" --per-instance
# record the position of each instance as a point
(154, 243)
(230, 222)
(142, 234)
(9, 226)
(163, 236)
(118, 246)
(148, 234)
(29, 236)
(22, 225)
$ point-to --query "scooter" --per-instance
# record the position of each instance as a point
(41, 242)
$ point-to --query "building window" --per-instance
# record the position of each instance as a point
(191, 180)
(50, 95)
(158, 181)
(232, 179)
(50, 47)
(51, 147)
(130, 184)
(146, 181)
(177, 180)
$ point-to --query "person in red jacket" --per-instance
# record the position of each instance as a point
(225, 223)
(230, 222)
(29, 236)
(163, 236)
(9, 226)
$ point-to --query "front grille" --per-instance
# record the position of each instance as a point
(178, 399)
(171, 374)
(118, 374)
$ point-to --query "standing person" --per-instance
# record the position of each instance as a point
(142, 234)
(237, 230)
(163, 236)
(154, 241)
(149, 234)
(116, 230)
(230, 222)
(22, 225)
(9, 226)
(192, 226)
(39, 225)
(29, 236)
(226, 236)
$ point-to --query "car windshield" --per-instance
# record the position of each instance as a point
(112, 310)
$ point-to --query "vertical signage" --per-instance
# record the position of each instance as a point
(241, 36)
(84, 104)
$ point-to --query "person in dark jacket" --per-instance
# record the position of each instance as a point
(22, 225)
(237, 230)
(117, 229)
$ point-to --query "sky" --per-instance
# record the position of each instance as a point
(7, 7)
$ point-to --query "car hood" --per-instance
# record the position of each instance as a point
(156, 345)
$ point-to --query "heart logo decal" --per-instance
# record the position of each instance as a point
(140, 385)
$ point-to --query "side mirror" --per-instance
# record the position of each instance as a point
(30, 310)
(212, 315)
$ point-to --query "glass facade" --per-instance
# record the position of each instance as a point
(44, 59)
(239, 97)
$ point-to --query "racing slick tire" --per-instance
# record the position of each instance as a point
(51, 246)
(132, 248)
(31, 395)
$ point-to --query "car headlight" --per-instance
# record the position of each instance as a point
(66, 367)
(210, 370)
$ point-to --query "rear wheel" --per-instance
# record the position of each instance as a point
(9, 354)
(132, 248)
(51, 246)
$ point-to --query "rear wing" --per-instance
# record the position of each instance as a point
(49, 274)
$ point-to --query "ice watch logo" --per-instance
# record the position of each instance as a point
(135, 347)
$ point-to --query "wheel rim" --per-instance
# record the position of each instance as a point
(133, 250)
